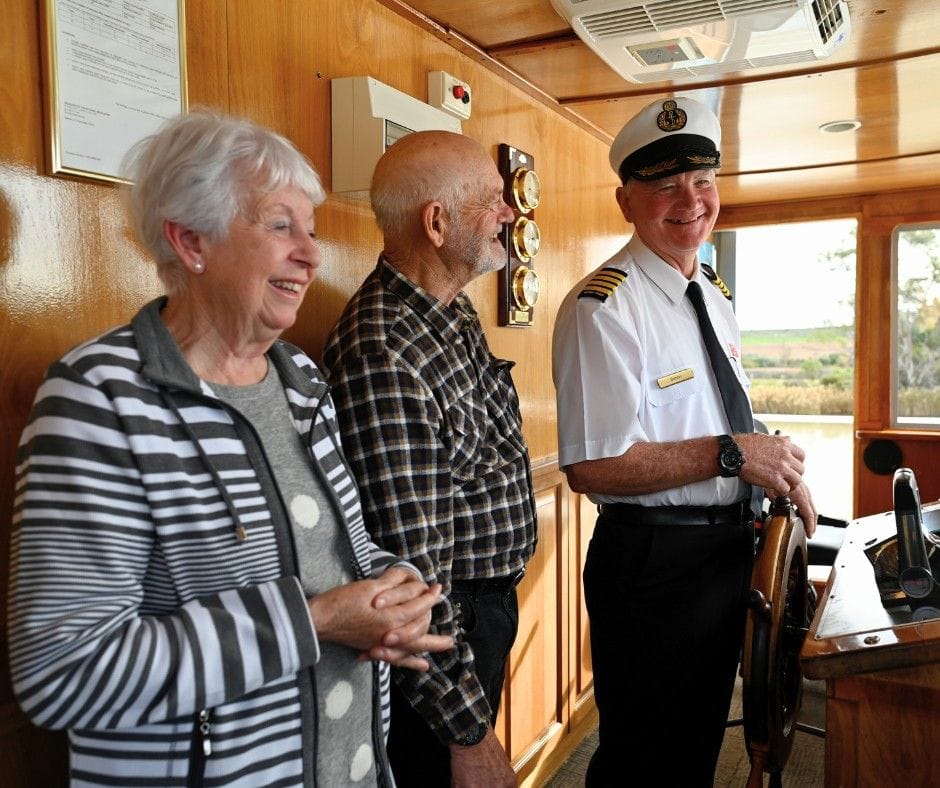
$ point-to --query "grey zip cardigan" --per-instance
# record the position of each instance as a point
(154, 607)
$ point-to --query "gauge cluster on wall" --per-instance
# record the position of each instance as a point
(519, 283)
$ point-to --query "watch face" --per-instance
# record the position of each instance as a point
(730, 458)
(525, 288)
(526, 189)
(526, 238)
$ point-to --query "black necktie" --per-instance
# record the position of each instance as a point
(733, 397)
(737, 408)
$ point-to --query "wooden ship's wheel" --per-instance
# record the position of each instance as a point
(780, 610)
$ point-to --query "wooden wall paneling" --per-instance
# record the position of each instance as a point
(732, 216)
(534, 708)
(873, 379)
(872, 359)
(582, 675)
(875, 348)
(841, 766)
(875, 492)
(207, 55)
(513, 21)
(873, 337)
(883, 726)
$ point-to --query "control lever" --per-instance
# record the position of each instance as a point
(915, 576)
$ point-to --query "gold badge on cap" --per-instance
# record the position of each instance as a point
(671, 118)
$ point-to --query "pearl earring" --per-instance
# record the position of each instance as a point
(198, 267)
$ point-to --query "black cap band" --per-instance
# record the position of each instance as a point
(670, 156)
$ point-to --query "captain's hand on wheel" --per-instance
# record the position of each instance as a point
(800, 497)
(773, 462)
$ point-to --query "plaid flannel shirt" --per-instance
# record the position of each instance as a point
(431, 426)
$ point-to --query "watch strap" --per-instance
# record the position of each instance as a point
(730, 457)
(474, 737)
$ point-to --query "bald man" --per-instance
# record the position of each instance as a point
(431, 426)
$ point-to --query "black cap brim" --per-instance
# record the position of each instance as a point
(670, 156)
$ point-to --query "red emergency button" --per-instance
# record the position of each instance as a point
(460, 92)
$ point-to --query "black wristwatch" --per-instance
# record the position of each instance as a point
(730, 458)
(474, 737)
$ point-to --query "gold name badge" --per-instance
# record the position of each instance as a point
(675, 377)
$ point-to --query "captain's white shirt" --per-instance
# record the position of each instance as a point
(629, 366)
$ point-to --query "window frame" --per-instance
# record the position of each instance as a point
(921, 423)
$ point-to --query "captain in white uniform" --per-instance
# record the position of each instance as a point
(644, 429)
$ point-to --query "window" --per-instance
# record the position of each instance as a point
(916, 327)
(794, 297)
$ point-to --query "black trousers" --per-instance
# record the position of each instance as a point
(667, 607)
(490, 621)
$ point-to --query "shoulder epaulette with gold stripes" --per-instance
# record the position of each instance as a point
(603, 283)
(712, 277)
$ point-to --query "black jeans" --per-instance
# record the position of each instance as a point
(490, 622)
(667, 607)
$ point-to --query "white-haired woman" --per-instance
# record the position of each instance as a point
(193, 594)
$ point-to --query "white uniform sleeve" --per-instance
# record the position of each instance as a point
(597, 369)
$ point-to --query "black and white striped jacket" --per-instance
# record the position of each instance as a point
(155, 611)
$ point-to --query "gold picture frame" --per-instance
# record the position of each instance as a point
(114, 72)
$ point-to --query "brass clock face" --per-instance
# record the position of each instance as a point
(525, 288)
(526, 238)
(526, 189)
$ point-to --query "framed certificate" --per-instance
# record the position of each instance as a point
(115, 71)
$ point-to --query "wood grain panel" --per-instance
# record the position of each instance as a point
(582, 673)
(571, 71)
(761, 119)
(534, 696)
(488, 23)
(207, 55)
(919, 451)
(883, 728)
(841, 766)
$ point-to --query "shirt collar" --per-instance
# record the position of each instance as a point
(664, 276)
(445, 320)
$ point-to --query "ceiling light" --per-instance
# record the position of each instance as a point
(838, 126)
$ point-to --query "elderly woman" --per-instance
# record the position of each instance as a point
(193, 594)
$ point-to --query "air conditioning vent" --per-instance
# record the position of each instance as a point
(828, 18)
(668, 39)
(715, 69)
(670, 14)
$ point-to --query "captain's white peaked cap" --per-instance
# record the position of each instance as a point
(667, 137)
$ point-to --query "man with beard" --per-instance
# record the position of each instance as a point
(655, 426)
(431, 426)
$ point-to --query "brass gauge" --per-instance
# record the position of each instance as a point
(526, 238)
(521, 238)
(525, 288)
(526, 189)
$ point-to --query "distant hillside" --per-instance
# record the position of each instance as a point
(800, 370)
(831, 345)
(824, 338)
